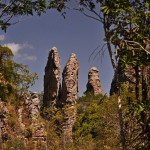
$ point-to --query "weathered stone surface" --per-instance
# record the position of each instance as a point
(38, 128)
(52, 78)
(20, 117)
(69, 97)
(32, 105)
(70, 81)
(93, 85)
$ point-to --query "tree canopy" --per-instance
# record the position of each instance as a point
(15, 79)
(11, 9)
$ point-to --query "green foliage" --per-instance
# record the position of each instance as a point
(15, 78)
(52, 114)
(97, 122)
(28, 133)
(126, 30)
(11, 9)
(133, 111)
(15, 144)
(54, 141)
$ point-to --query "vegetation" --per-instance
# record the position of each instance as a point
(11, 9)
(121, 121)
(15, 79)
(97, 123)
(127, 30)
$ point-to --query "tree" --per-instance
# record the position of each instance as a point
(11, 9)
(97, 125)
(15, 79)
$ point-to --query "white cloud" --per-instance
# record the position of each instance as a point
(15, 47)
(2, 37)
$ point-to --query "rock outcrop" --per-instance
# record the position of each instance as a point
(3, 123)
(52, 78)
(93, 85)
(66, 96)
(69, 97)
(38, 128)
(70, 81)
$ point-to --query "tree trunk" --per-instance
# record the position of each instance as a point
(137, 82)
(106, 29)
(122, 131)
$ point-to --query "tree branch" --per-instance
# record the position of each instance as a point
(136, 43)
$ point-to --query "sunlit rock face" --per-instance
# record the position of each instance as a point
(52, 78)
(70, 81)
(93, 85)
(69, 97)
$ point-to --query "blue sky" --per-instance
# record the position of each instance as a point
(32, 38)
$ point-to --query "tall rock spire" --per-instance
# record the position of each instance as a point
(70, 81)
(52, 78)
(69, 97)
(93, 85)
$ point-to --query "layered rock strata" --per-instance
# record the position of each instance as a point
(52, 78)
(69, 97)
(93, 85)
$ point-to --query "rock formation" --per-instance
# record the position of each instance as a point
(52, 78)
(70, 81)
(93, 85)
(38, 128)
(69, 97)
(3, 122)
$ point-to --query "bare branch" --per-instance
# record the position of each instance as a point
(100, 52)
(93, 11)
(136, 43)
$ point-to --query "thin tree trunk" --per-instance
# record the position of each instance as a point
(137, 82)
(122, 131)
(106, 28)
(144, 84)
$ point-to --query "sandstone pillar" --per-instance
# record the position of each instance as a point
(69, 97)
(52, 78)
(93, 85)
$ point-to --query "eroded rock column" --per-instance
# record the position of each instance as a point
(93, 85)
(69, 97)
(52, 78)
